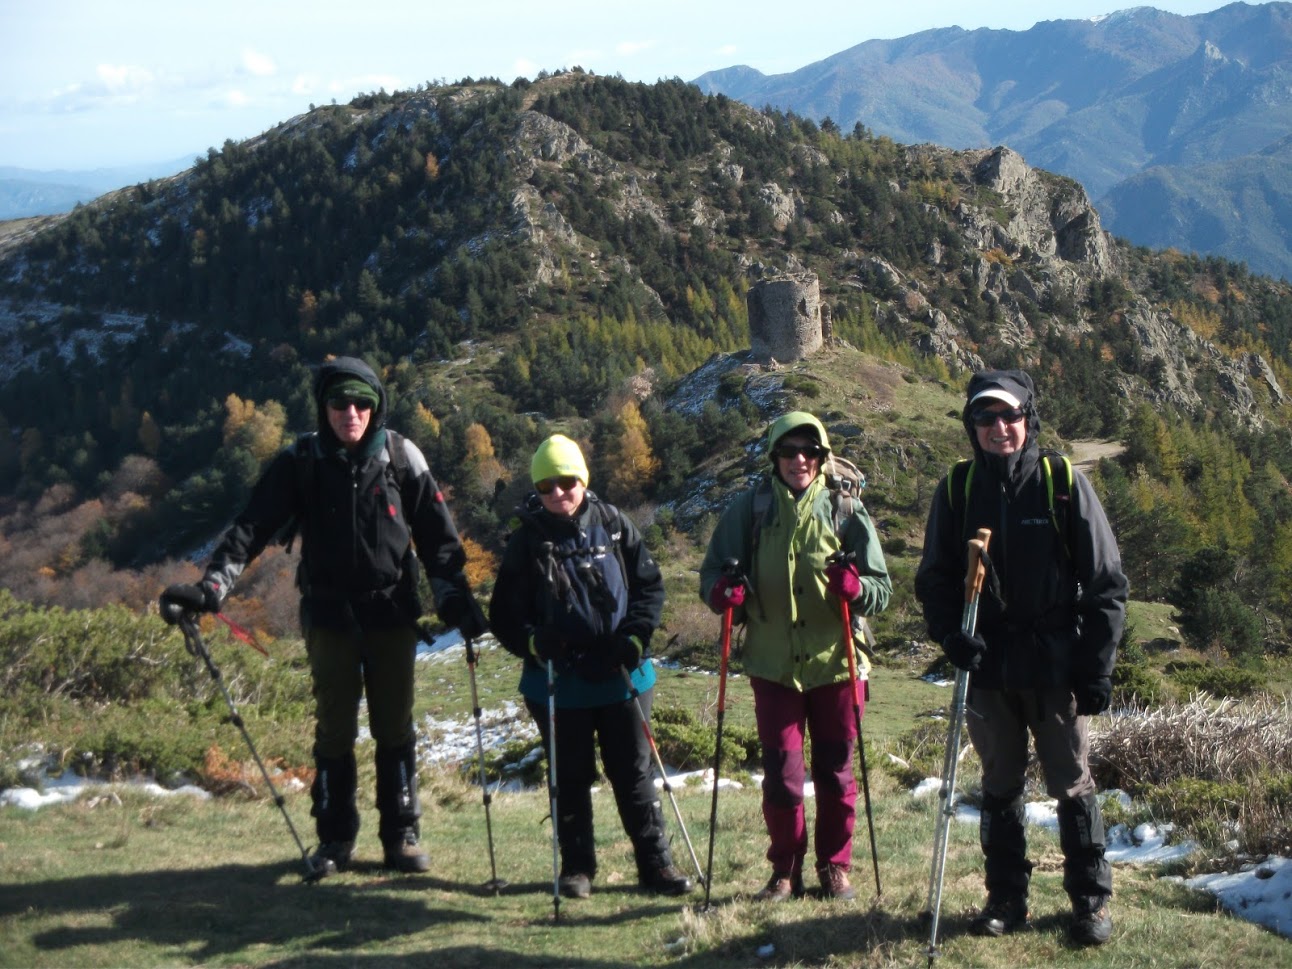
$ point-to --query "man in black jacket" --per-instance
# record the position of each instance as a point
(361, 498)
(1042, 657)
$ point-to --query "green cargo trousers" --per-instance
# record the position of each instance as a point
(346, 666)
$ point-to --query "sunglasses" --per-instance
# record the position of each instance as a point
(344, 403)
(813, 452)
(986, 418)
(548, 485)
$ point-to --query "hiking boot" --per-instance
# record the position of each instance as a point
(668, 880)
(405, 855)
(781, 887)
(1092, 923)
(577, 885)
(332, 857)
(1000, 916)
(834, 882)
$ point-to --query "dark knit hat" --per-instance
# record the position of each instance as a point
(347, 387)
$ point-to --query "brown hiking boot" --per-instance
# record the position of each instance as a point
(781, 887)
(834, 882)
(332, 857)
(405, 855)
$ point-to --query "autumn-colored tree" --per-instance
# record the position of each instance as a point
(260, 431)
(629, 462)
(149, 435)
(307, 311)
(483, 466)
(482, 564)
(432, 167)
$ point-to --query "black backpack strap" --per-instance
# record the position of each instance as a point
(959, 481)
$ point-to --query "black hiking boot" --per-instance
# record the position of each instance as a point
(406, 855)
(1000, 916)
(332, 857)
(1092, 923)
(668, 880)
(576, 885)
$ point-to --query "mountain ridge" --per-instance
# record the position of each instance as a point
(1098, 100)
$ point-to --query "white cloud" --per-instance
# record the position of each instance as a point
(306, 84)
(727, 50)
(261, 65)
(524, 67)
(119, 79)
(237, 99)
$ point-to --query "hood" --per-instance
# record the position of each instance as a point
(347, 367)
(793, 421)
(1015, 385)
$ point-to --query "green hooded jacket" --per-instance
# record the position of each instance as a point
(794, 633)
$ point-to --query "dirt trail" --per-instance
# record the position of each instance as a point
(1086, 454)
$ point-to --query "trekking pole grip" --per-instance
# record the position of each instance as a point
(977, 570)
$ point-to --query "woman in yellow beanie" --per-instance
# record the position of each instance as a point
(578, 588)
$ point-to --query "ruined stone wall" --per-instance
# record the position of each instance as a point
(786, 322)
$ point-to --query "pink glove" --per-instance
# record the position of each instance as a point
(727, 593)
(843, 581)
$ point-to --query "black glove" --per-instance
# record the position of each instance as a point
(964, 651)
(458, 608)
(548, 646)
(188, 598)
(1094, 697)
(606, 656)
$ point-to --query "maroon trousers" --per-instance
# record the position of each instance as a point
(783, 715)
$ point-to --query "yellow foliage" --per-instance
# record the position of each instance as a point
(482, 564)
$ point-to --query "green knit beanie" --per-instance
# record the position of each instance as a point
(352, 388)
(558, 457)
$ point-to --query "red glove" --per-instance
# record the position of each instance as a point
(727, 593)
(843, 581)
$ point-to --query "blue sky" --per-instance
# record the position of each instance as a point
(90, 84)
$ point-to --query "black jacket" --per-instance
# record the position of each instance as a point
(357, 565)
(522, 601)
(1061, 611)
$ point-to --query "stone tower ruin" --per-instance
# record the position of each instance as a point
(786, 319)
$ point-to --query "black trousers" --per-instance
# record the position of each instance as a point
(627, 761)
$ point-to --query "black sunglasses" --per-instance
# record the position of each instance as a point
(986, 418)
(343, 403)
(813, 452)
(548, 485)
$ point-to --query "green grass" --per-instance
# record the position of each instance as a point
(130, 880)
(142, 882)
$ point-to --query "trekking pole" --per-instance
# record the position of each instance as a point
(552, 790)
(495, 883)
(731, 567)
(845, 614)
(668, 788)
(549, 567)
(974, 576)
(193, 643)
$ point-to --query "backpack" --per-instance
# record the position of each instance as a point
(844, 481)
(1058, 494)
(595, 587)
(305, 458)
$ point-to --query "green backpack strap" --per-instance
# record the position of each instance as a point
(1058, 496)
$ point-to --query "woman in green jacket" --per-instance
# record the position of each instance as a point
(794, 652)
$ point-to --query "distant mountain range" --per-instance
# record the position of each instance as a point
(26, 192)
(1175, 125)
